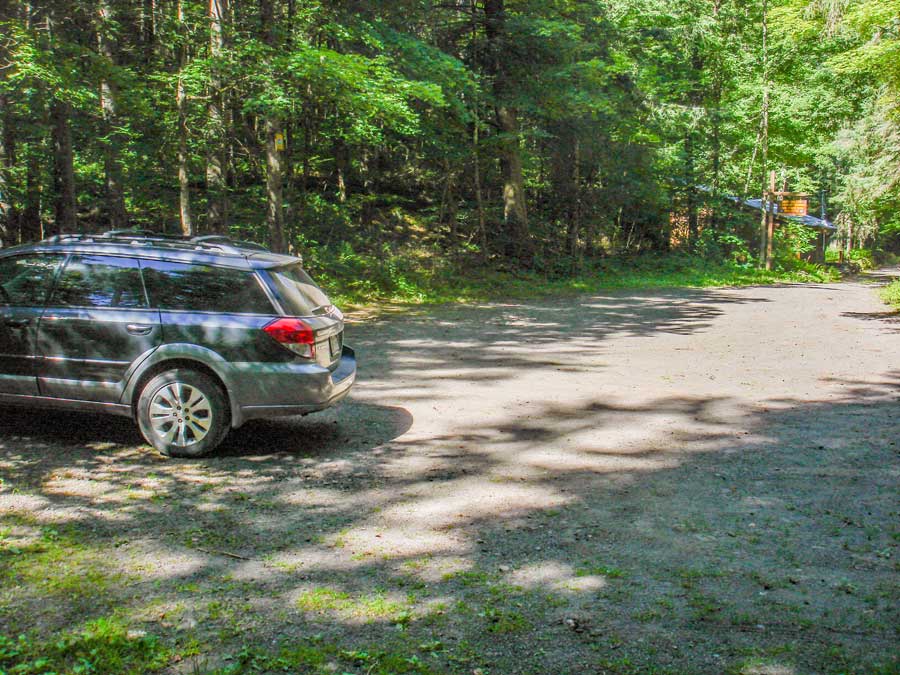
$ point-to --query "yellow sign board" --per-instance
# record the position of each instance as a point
(279, 142)
(794, 207)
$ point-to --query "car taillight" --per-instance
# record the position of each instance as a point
(294, 334)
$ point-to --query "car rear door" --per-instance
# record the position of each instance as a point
(25, 281)
(96, 326)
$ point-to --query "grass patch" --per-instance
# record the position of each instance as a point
(589, 570)
(353, 279)
(316, 657)
(703, 607)
(371, 607)
(103, 646)
(470, 578)
(891, 294)
(504, 620)
(43, 565)
(626, 666)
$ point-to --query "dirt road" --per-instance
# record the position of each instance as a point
(686, 481)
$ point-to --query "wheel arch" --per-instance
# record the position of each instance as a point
(188, 356)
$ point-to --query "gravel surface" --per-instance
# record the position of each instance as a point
(684, 481)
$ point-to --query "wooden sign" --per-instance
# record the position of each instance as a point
(794, 206)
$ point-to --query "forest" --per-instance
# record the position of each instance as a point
(390, 142)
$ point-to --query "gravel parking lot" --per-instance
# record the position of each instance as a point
(680, 481)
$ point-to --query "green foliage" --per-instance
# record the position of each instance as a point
(891, 294)
(396, 165)
(793, 240)
(842, 63)
(399, 277)
(862, 258)
(103, 646)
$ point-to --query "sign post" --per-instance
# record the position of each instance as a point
(769, 219)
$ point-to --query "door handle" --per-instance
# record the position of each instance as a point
(17, 323)
(139, 328)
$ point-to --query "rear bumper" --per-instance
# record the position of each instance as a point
(277, 390)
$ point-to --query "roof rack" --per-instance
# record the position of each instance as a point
(210, 241)
(222, 240)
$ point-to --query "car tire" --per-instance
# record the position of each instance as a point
(183, 413)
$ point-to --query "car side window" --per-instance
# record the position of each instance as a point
(25, 280)
(201, 288)
(100, 281)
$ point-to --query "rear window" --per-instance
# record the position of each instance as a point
(200, 288)
(300, 294)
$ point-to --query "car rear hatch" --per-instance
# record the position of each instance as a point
(301, 298)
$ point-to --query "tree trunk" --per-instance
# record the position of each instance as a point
(565, 185)
(561, 185)
(691, 191)
(341, 164)
(31, 214)
(115, 195)
(764, 142)
(30, 219)
(8, 209)
(696, 99)
(274, 134)
(184, 190)
(217, 204)
(515, 213)
(274, 187)
(575, 219)
(63, 169)
(148, 28)
(716, 128)
(64, 209)
(476, 152)
(479, 198)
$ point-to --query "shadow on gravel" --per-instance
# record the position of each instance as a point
(497, 341)
(889, 317)
(768, 542)
(882, 278)
(70, 439)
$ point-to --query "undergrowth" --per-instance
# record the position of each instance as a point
(891, 294)
(103, 646)
(413, 277)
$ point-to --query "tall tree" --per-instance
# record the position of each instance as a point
(113, 140)
(63, 169)
(8, 208)
(184, 191)
(274, 144)
(216, 184)
(515, 210)
(9, 211)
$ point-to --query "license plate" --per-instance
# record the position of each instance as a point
(334, 345)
